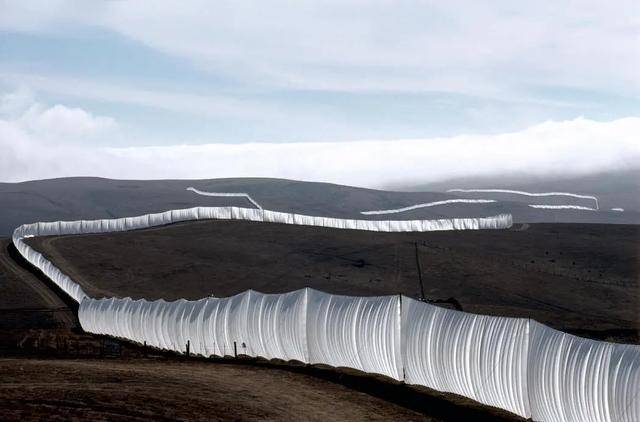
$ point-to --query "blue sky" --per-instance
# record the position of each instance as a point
(199, 72)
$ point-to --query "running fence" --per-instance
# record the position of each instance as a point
(515, 364)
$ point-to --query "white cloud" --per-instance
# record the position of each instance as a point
(58, 123)
(64, 121)
(179, 102)
(15, 103)
(385, 69)
(573, 147)
(472, 48)
(498, 50)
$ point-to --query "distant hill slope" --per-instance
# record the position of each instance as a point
(92, 198)
(573, 277)
(620, 189)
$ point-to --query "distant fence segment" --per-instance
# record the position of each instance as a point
(427, 205)
(226, 195)
(74, 290)
(512, 363)
(533, 194)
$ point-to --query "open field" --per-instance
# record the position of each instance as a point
(578, 278)
(161, 389)
(50, 370)
(574, 277)
(59, 374)
(144, 389)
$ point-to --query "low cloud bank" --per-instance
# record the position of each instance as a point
(43, 143)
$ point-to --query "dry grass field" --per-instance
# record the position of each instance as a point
(580, 278)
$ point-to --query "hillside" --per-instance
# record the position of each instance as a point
(94, 198)
(577, 278)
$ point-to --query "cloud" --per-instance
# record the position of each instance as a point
(399, 46)
(64, 121)
(253, 71)
(58, 123)
(16, 103)
(170, 100)
(499, 50)
(571, 147)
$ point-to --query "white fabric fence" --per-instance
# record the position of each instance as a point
(74, 290)
(477, 356)
(512, 363)
(577, 379)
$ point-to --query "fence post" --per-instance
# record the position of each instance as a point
(188, 344)
(235, 350)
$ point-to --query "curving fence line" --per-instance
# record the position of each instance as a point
(223, 213)
(520, 192)
(428, 204)
(513, 363)
(226, 195)
(562, 207)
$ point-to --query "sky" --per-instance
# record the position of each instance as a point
(354, 92)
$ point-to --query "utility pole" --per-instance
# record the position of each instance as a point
(419, 265)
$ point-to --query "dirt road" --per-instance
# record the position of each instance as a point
(26, 300)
